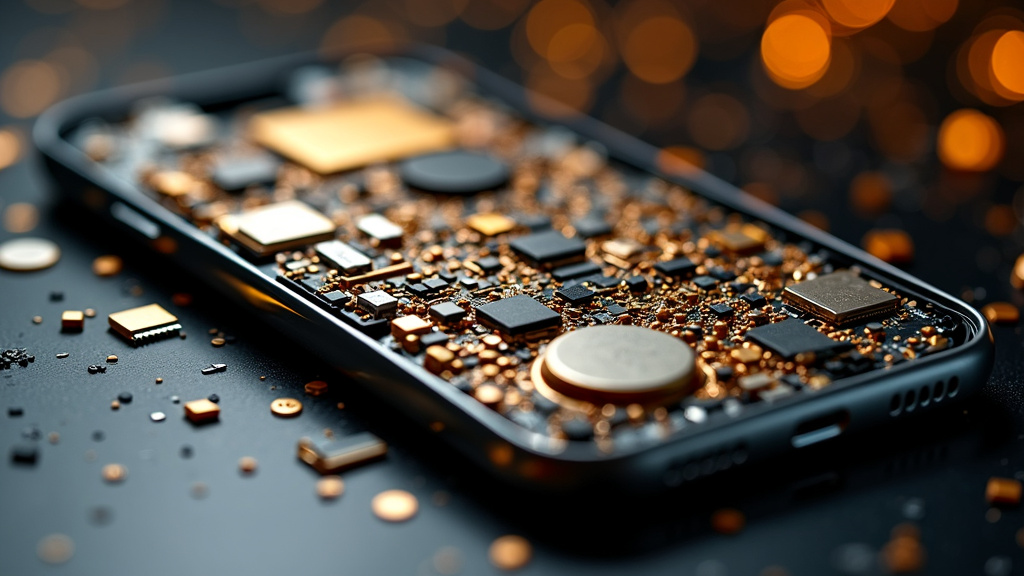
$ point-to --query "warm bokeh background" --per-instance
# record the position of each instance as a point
(881, 120)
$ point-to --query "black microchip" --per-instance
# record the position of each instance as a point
(549, 248)
(791, 337)
(518, 315)
(754, 299)
(592, 226)
(674, 268)
(435, 284)
(578, 294)
(637, 284)
(239, 172)
(616, 310)
(336, 297)
(488, 264)
(705, 282)
(575, 271)
(433, 338)
(447, 312)
(535, 222)
(721, 310)
(419, 289)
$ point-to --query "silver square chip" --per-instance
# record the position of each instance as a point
(840, 298)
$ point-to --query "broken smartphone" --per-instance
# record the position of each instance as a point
(565, 305)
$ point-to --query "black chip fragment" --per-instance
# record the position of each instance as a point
(234, 173)
(754, 299)
(721, 310)
(577, 295)
(575, 271)
(791, 337)
(549, 248)
(518, 315)
(616, 309)
(592, 226)
(447, 312)
(26, 454)
(705, 282)
(433, 338)
(676, 268)
(637, 284)
(488, 264)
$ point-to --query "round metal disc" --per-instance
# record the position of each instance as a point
(28, 254)
(454, 172)
(619, 364)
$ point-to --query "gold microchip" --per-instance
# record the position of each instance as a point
(201, 411)
(739, 238)
(276, 227)
(406, 325)
(351, 134)
(490, 224)
(145, 323)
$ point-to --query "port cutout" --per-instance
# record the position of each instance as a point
(820, 429)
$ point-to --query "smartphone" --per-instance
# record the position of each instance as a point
(544, 293)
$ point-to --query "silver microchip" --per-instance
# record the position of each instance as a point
(840, 298)
(343, 257)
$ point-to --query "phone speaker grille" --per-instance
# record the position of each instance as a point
(914, 399)
(687, 470)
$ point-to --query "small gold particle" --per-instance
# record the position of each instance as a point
(510, 552)
(1017, 276)
(262, 378)
(90, 312)
(159, 380)
(111, 359)
(72, 321)
(202, 411)
(1001, 313)
(107, 265)
(218, 342)
(37, 319)
(330, 487)
(114, 473)
(247, 465)
(55, 549)
(286, 407)
(316, 387)
(115, 405)
(394, 505)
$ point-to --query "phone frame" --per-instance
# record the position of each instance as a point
(505, 449)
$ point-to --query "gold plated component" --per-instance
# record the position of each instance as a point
(72, 321)
(1001, 313)
(337, 455)
(510, 552)
(622, 248)
(1003, 491)
(286, 407)
(218, 342)
(438, 359)
(490, 224)
(841, 297)
(112, 359)
(330, 487)
(399, 269)
(276, 227)
(740, 238)
(139, 325)
(202, 411)
(107, 265)
(618, 365)
(395, 505)
(28, 254)
(409, 325)
(114, 473)
(20, 217)
(351, 134)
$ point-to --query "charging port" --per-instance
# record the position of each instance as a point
(820, 429)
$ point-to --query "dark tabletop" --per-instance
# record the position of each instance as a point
(185, 507)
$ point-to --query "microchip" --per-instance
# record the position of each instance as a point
(351, 134)
(234, 173)
(382, 231)
(144, 324)
(705, 282)
(592, 226)
(550, 248)
(447, 312)
(721, 310)
(379, 303)
(518, 315)
(577, 295)
(740, 238)
(343, 258)
(331, 456)
(674, 268)
(276, 227)
(754, 299)
(791, 337)
(840, 298)
(575, 271)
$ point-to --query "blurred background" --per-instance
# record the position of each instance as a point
(884, 121)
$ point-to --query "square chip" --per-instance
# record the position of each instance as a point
(550, 248)
(275, 227)
(145, 323)
(840, 298)
(791, 337)
(518, 315)
(351, 134)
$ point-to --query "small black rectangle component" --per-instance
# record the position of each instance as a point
(518, 315)
(549, 248)
(679, 267)
(447, 312)
(575, 271)
(791, 337)
(576, 295)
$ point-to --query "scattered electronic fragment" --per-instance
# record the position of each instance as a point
(55, 549)
(275, 227)
(791, 337)
(144, 324)
(343, 257)
(114, 473)
(26, 454)
(157, 416)
(213, 369)
(395, 505)
(549, 248)
(238, 171)
(111, 359)
(286, 407)
(15, 356)
(202, 411)
(96, 369)
(72, 321)
(332, 456)
(316, 387)
(519, 316)
(841, 298)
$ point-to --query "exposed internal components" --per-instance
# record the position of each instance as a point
(144, 324)
(578, 297)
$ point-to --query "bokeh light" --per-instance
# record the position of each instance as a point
(921, 15)
(660, 49)
(857, 13)
(29, 87)
(1008, 62)
(795, 49)
(970, 141)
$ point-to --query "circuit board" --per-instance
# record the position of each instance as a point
(581, 298)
